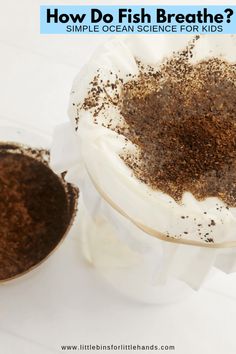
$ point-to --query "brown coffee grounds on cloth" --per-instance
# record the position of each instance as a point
(182, 118)
(34, 212)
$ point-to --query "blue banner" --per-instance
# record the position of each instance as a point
(143, 19)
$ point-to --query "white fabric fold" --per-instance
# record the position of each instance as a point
(91, 157)
(100, 222)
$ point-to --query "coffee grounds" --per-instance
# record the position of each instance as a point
(35, 210)
(182, 118)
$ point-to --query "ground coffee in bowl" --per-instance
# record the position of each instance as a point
(36, 208)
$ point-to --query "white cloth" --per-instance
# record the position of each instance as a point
(117, 201)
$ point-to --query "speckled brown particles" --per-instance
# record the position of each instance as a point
(182, 118)
(34, 210)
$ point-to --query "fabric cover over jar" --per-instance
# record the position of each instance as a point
(91, 154)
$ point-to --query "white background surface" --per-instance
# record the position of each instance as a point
(66, 302)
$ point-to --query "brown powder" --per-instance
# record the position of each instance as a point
(35, 210)
(181, 117)
(183, 121)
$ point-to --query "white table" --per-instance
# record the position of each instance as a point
(66, 302)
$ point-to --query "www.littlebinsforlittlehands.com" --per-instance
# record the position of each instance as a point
(121, 347)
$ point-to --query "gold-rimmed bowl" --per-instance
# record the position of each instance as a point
(32, 142)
